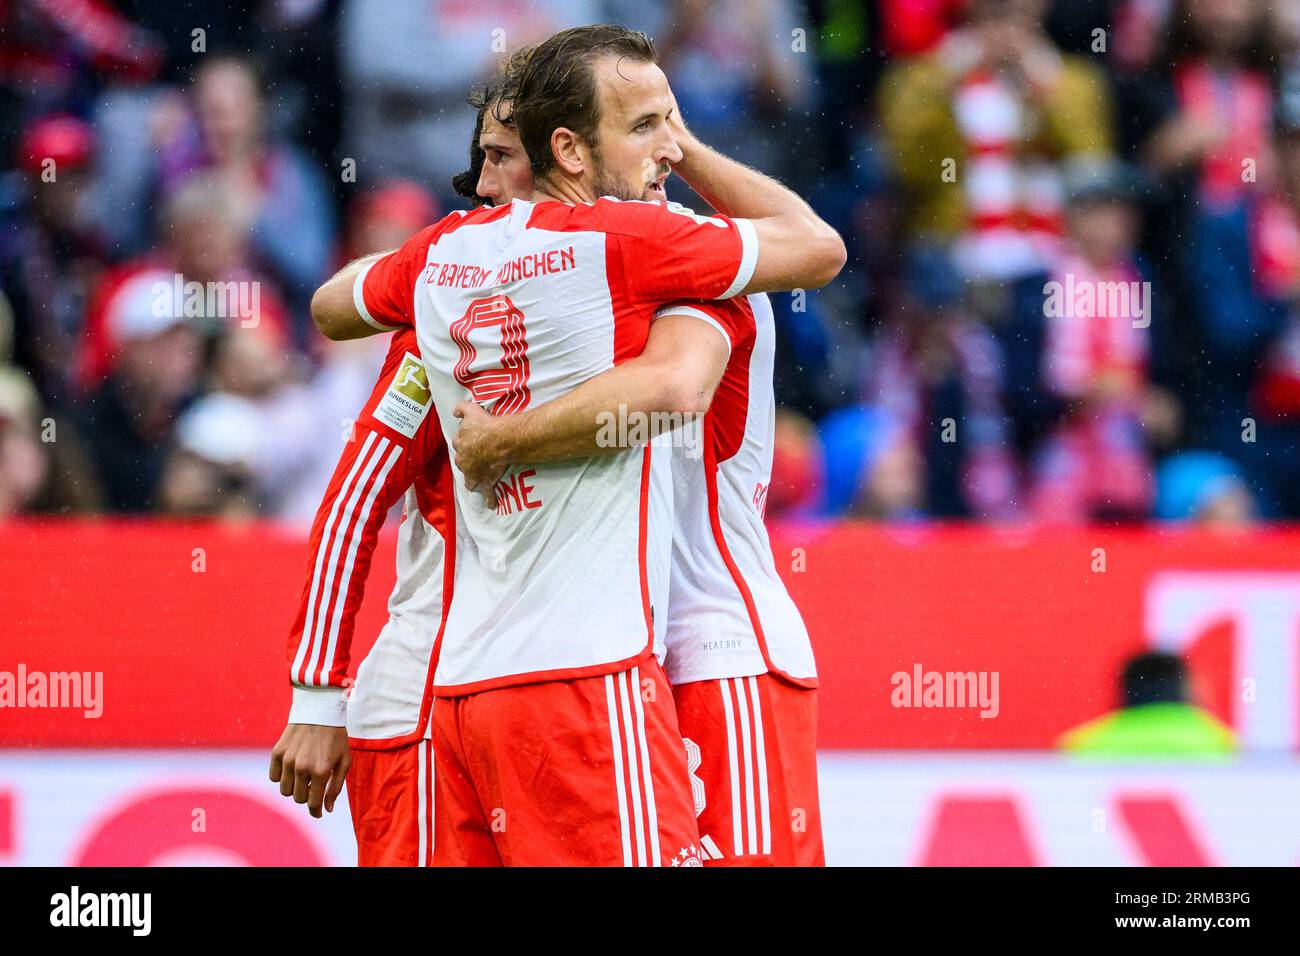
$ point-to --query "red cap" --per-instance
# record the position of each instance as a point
(65, 139)
(399, 200)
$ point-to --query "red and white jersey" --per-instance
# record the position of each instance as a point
(393, 451)
(729, 614)
(1095, 334)
(515, 306)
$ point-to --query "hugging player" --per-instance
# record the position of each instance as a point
(745, 699)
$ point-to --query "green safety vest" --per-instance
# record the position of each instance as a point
(1152, 730)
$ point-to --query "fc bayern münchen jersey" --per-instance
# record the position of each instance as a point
(393, 451)
(515, 306)
(729, 612)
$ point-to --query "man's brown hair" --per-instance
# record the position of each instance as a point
(557, 87)
(501, 89)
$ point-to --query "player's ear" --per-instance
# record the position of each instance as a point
(569, 150)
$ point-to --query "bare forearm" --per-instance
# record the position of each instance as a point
(796, 248)
(667, 385)
(735, 189)
(587, 420)
(333, 308)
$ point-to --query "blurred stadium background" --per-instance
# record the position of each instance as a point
(1089, 510)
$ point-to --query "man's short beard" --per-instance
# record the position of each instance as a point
(606, 185)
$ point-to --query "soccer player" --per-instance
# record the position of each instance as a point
(395, 452)
(738, 654)
(554, 737)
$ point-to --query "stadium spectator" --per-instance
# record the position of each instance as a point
(265, 183)
(1139, 27)
(43, 462)
(737, 76)
(1093, 316)
(129, 419)
(379, 219)
(209, 471)
(912, 27)
(1156, 718)
(256, 377)
(52, 252)
(1245, 267)
(385, 217)
(24, 464)
(200, 269)
(796, 488)
(1198, 121)
(406, 65)
(938, 374)
(1206, 107)
(245, 446)
(1204, 488)
(55, 52)
(976, 127)
(172, 161)
(869, 466)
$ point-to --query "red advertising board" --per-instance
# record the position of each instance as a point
(187, 625)
(1054, 613)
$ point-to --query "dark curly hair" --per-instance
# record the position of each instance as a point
(501, 89)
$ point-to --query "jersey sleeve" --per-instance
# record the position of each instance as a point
(668, 252)
(394, 436)
(732, 318)
(384, 290)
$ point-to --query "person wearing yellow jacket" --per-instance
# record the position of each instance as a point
(977, 128)
(1157, 718)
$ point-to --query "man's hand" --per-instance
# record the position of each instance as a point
(309, 763)
(478, 453)
(796, 248)
(677, 125)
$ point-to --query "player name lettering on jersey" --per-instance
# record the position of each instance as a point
(516, 493)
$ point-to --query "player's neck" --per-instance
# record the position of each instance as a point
(564, 190)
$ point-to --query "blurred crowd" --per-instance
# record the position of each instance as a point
(1073, 230)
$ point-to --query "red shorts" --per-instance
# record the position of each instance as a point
(586, 772)
(390, 794)
(751, 746)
